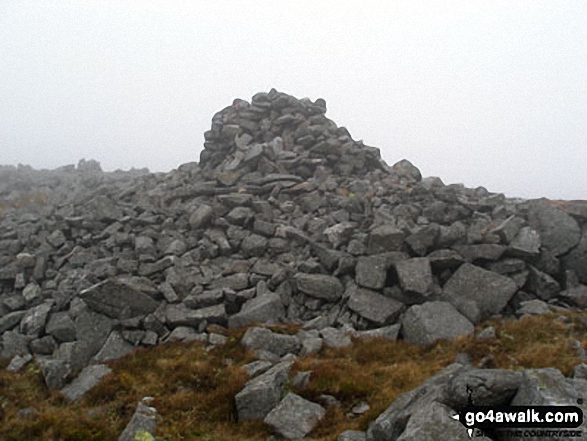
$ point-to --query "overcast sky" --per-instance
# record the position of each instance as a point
(490, 93)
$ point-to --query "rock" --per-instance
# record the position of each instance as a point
(14, 343)
(433, 421)
(55, 372)
(415, 278)
(576, 296)
(261, 394)
(393, 421)
(371, 271)
(576, 259)
(444, 259)
(254, 245)
(311, 346)
(558, 231)
(424, 324)
(142, 424)
(257, 367)
(33, 323)
(180, 315)
(487, 333)
(486, 387)
(32, 292)
(320, 286)
(335, 338)
(508, 229)
(295, 416)
(385, 238)
(61, 326)
(114, 348)
(89, 377)
(526, 244)
(533, 307)
(117, 299)
(279, 344)
(406, 170)
(477, 293)
(542, 284)
(352, 435)
(375, 307)
(10, 320)
(18, 362)
(387, 332)
(262, 309)
(201, 217)
(480, 252)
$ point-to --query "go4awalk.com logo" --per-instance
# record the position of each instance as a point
(523, 421)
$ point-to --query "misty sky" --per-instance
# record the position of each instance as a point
(490, 93)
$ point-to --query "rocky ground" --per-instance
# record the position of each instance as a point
(285, 220)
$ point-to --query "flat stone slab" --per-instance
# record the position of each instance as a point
(89, 377)
(375, 307)
(320, 286)
(295, 416)
(477, 293)
(262, 309)
(142, 424)
(265, 339)
(118, 300)
(424, 324)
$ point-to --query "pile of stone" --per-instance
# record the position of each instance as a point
(285, 219)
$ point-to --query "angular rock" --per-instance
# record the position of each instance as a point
(61, 326)
(576, 259)
(486, 387)
(117, 299)
(262, 309)
(320, 286)
(477, 293)
(415, 278)
(385, 238)
(390, 332)
(541, 284)
(264, 339)
(33, 323)
(424, 324)
(114, 348)
(558, 231)
(335, 338)
(295, 416)
(261, 394)
(201, 217)
(10, 320)
(526, 244)
(371, 271)
(86, 380)
(352, 435)
(180, 315)
(142, 424)
(375, 307)
(55, 372)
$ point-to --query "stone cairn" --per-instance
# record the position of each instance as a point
(285, 219)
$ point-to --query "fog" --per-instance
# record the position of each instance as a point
(487, 93)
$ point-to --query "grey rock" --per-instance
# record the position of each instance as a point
(33, 323)
(533, 307)
(424, 324)
(558, 231)
(295, 416)
(477, 293)
(262, 309)
(18, 362)
(444, 258)
(580, 371)
(320, 286)
(89, 377)
(576, 296)
(352, 435)
(415, 278)
(254, 245)
(340, 233)
(261, 394)
(390, 332)
(526, 244)
(180, 315)
(335, 338)
(385, 238)
(257, 367)
(375, 307)
(433, 421)
(45, 345)
(201, 218)
(55, 372)
(235, 282)
(541, 284)
(142, 424)
(480, 252)
(424, 239)
(371, 271)
(487, 333)
(115, 347)
(61, 326)
(508, 229)
(311, 346)
(32, 292)
(14, 343)
(117, 299)
(392, 422)
(280, 344)
(486, 387)
(10, 320)
(576, 259)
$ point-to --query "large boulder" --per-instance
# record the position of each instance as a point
(265, 308)
(375, 307)
(424, 324)
(118, 299)
(263, 339)
(295, 416)
(477, 293)
(320, 286)
(558, 231)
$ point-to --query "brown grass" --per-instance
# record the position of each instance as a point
(193, 389)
